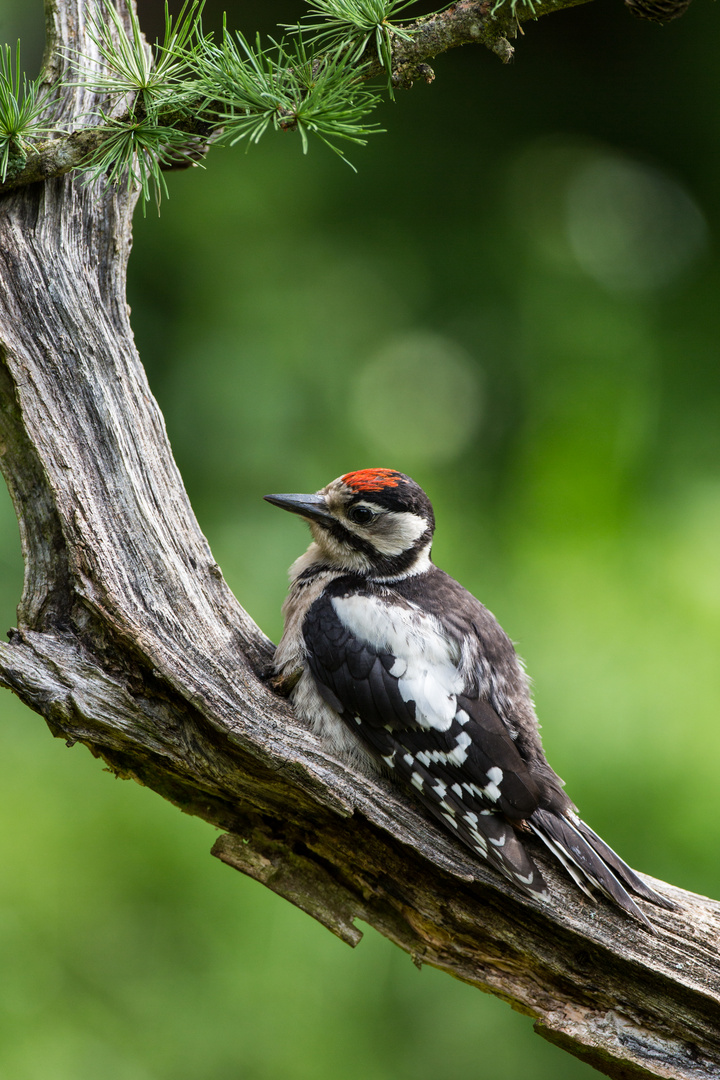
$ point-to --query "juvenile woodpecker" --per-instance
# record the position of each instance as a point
(401, 671)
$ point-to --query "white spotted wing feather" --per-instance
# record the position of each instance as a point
(395, 676)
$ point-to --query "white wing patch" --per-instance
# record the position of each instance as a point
(431, 677)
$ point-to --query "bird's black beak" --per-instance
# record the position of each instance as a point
(312, 507)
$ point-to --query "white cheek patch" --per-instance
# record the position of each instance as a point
(431, 678)
(393, 531)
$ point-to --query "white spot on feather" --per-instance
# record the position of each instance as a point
(479, 841)
(525, 880)
(458, 756)
(417, 781)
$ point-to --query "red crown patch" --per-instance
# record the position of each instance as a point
(372, 479)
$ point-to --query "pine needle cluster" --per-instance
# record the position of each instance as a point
(312, 82)
(253, 88)
(22, 108)
(354, 25)
(150, 93)
(163, 105)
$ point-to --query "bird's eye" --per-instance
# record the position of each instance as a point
(360, 515)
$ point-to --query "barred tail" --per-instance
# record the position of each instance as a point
(588, 858)
(488, 835)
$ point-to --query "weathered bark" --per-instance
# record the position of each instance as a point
(129, 641)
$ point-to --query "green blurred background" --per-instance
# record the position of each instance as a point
(515, 300)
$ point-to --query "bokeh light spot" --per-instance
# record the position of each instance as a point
(632, 227)
(418, 399)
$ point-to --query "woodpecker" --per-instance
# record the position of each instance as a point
(402, 672)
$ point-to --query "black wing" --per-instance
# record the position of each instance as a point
(394, 677)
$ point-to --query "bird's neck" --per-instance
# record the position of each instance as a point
(323, 561)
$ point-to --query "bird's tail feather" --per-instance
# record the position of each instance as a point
(562, 857)
(621, 869)
(584, 854)
(507, 854)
